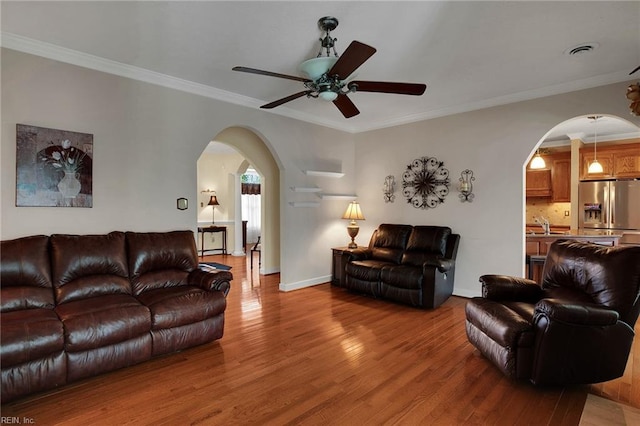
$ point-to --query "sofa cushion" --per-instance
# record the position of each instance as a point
(160, 259)
(610, 276)
(426, 242)
(389, 241)
(402, 276)
(86, 266)
(25, 274)
(28, 335)
(176, 306)
(366, 270)
(101, 321)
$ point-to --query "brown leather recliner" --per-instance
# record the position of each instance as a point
(574, 328)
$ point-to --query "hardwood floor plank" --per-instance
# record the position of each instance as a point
(319, 356)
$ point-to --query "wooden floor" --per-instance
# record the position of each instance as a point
(319, 356)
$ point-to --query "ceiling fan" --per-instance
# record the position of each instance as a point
(327, 77)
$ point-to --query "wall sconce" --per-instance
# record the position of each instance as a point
(466, 186)
(353, 213)
(389, 189)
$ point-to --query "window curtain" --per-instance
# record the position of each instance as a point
(251, 213)
(251, 188)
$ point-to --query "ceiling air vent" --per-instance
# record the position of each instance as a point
(581, 49)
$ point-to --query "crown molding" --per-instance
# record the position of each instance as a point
(85, 60)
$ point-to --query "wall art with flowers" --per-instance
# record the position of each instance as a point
(54, 168)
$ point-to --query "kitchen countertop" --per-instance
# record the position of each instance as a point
(594, 233)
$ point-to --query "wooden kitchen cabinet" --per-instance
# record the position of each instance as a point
(561, 179)
(627, 164)
(618, 161)
(604, 158)
(539, 183)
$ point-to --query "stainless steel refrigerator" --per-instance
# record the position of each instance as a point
(609, 204)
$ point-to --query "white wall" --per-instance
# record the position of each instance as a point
(147, 140)
(495, 143)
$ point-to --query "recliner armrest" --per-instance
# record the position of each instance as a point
(211, 279)
(357, 254)
(504, 287)
(578, 314)
(443, 265)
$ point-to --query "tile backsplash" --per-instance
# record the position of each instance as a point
(554, 212)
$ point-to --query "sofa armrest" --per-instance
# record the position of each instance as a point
(443, 265)
(504, 287)
(577, 314)
(211, 279)
(357, 254)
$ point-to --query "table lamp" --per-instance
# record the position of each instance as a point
(213, 202)
(353, 213)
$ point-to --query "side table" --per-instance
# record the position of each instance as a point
(213, 229)
(338, 265)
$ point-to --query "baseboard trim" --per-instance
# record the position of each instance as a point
(306, 283)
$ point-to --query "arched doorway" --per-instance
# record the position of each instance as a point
(570, 136)
(255, 150)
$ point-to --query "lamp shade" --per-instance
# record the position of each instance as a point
(353, 212)
(213, 201)
(595, 167)
(537, 162)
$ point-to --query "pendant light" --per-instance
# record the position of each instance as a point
(595, 166)
(537, 162)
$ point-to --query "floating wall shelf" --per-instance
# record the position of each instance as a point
(305, 189)
(304, 203)
(338, 196)
(323, 173)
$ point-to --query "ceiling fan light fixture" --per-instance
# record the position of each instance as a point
(315, 68)
(328, 96)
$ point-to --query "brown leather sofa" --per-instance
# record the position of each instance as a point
(73, 306)
(414, 265)
(574, 328)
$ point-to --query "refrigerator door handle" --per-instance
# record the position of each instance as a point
(612, 206)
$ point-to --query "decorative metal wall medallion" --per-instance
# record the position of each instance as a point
(425, 183)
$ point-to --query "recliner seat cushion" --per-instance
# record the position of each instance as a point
(366, 270)
(173, 307)
(402, 276)
(102, 321)
(29, 335)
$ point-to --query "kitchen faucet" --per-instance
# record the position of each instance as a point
(544, 223)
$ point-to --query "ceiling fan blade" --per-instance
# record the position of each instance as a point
(270, 74)
(346, 107)
(285, 100)
(390, 87)
(355, 55)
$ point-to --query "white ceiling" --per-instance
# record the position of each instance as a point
(470, 54)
